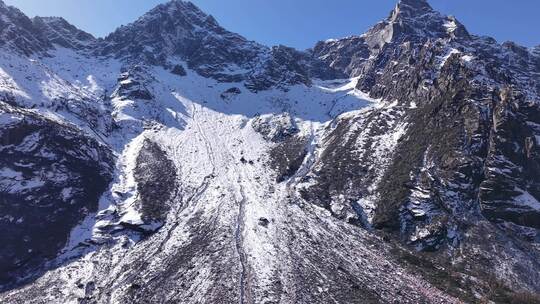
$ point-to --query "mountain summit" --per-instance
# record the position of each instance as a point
(412, 7)
(175, 28)
(415, 19)
(177, 162)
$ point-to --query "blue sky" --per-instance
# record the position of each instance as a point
(300, 23)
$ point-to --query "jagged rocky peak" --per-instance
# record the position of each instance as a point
(413, 7)
(411, 24)
(179, 15)
(179, 29)
(173, 28)
(60, 32)
(17, 32)
(189, 15)
(38, 35)
(414, 20)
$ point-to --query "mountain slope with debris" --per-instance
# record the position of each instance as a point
(176, 162)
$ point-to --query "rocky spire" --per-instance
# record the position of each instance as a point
(414, 20)
(412, 8)
(414, 5)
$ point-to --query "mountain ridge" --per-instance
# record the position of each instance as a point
(413, 4)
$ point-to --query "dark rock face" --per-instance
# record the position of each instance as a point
(155, 175)
(416, 19)
(40, 34)
(288, 156)
(510, 190)
(18, 33)
(453, 161)
(264, 222)
(289, 148)
(452, 141)
(60, 32)
(276, 128)
(355, 155)
(52, 177)
(171, 22)
(288, 66)
(179, 70)
(347, 55)
(170, 30)
(230, 93)
(469, 148)
(131, 85)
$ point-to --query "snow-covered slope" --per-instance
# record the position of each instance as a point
(177, 162)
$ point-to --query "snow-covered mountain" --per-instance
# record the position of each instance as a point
(176, 162)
